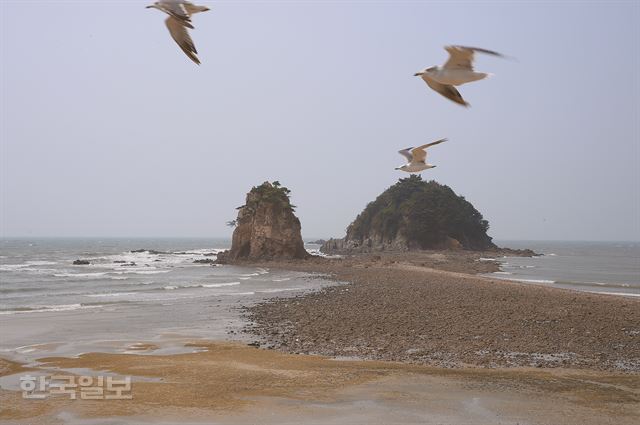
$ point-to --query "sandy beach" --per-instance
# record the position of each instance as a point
(236, 384)
(441, 346)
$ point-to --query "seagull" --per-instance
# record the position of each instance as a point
(416, 158)
(458, 70)
(179, 20)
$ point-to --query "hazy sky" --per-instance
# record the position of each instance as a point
(108, 129)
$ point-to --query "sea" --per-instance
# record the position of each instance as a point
(599, 267)
(159, 291)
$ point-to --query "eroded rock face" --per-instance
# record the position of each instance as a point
(266, 227)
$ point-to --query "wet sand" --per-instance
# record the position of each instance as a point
(235, 384)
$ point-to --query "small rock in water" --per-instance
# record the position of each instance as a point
(204, 261)
(81, 262)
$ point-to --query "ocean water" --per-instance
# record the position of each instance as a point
(132, 290)
(602, 267)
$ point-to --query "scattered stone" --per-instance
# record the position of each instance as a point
(204, 261)
(81, 262)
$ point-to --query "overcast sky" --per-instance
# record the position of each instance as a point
(108, 129)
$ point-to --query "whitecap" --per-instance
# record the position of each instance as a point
(112, 294)
(624, 294)
(80, 275)
(269, 291)
(536, 280)
(49, 308)
(148, 271)
(218, 285)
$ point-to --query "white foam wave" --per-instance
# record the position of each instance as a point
(536, 280)
(80, 275)
(624, 294)
(502, 273)
(41, 263)
(140, 271)
(49, 308)
(218, 285)
(202, 285)
(269, 291)
(112, 294)
(12, 267)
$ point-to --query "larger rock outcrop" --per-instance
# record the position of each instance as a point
(414, 214)
(266, 227)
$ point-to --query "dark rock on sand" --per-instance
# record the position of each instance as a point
(81, 262)
(266, 227)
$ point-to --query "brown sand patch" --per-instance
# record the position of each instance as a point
(8, 367)
(231, 378)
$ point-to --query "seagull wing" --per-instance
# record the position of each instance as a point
(445, 90)
(193, 9)
(420, 153)
(461, 57)
(407, 154)
(181, 36)
(178, 10)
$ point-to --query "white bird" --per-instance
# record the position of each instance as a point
(417, 157)
(458, 70)
(179, 20)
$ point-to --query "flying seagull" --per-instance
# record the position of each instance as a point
(417, 157)
(179, 20)
(458, 70)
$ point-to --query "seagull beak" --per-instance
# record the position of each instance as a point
(151, 6)
(418, 74)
